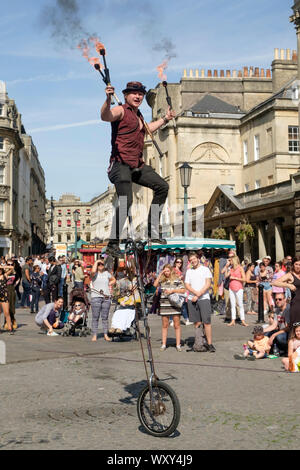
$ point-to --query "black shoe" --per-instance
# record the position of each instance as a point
(210, 348)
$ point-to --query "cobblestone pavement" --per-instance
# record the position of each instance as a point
(70, 393)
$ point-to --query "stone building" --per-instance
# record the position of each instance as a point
(102, 213)
(17, 216)
(63, 219)
(237, 130)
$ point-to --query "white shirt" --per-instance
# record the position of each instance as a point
(196, 279)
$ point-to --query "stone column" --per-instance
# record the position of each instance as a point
(247, 250)
(279, 248)
(262, 251)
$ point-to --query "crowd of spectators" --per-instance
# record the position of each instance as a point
(182, 297)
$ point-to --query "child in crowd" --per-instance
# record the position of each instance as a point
(292, 362)
(259, 347)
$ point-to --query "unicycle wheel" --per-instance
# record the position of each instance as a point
(159, 416)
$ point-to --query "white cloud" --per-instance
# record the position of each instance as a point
(63, 126)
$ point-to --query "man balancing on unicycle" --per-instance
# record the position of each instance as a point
(127, 165)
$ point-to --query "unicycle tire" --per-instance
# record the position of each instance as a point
(162, 418)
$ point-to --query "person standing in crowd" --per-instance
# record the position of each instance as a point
(5, 272)
(178, 265)
(198, 282)
(291, 280)
(54, 275)
(169, 283)
(62, 261)
(26, 281)
(236, 289)
(250, 289)
(101, 284)
(11, 282)
(265, 277)
(278, 273)
(18, 278)
(78, 274)
(36, 284)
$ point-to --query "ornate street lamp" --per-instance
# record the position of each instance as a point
(76, 219)
(185, 177)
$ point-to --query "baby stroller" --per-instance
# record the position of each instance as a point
(79, 304)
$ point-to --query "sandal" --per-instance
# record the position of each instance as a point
(107, 338)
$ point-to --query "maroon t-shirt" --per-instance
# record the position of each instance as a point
(128, 139)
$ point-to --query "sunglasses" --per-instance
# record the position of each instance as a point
(77, 305)
(296, 324)
(276, 300)
(178, 262)
(9, 264)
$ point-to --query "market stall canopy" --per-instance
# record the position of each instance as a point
(193, 244)
(79, 244)
(190, 244)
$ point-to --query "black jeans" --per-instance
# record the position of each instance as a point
(122, 176)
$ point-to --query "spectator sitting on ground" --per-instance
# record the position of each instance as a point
(259, 347)
(292, 362)
(48, 317)
(281, 320)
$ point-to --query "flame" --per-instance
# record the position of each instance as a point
(161, 68)
(84, 46)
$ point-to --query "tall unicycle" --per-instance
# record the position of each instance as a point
(158, 407)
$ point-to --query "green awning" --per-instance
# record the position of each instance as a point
(190, 244)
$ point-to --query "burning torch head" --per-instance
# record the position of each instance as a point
(135, 86)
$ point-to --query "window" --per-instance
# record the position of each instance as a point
(59, 223)
(257, 184)
(245, 145)
(88, 237)
(1, 109)
(59, 238)
(68, 223)
(1, 143)
(78, 223)
(1, 174)
(68, 211)
(256, 147)
(68, 237)
(293, 139)
(59, 212)
(1, 211)
(246, 188)
(88, 222)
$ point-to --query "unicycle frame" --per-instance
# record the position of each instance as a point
(133, 247)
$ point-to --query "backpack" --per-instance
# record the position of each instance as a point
(200, 340)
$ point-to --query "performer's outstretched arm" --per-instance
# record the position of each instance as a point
(153, 126)
(108, 114)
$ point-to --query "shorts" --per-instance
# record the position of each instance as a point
(251, 351)
(267, 285)
(200, 311)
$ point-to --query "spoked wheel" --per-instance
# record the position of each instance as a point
(159, 416)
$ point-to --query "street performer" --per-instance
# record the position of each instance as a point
(127, 165)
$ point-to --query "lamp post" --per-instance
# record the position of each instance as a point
(185, 176)
(76, 219)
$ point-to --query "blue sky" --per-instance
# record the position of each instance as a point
(59, 94)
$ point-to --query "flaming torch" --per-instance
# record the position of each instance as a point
(161, 68)
(84, 46)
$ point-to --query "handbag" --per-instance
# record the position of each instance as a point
(226, 283)
(176, 300)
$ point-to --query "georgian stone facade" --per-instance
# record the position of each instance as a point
(17, 219)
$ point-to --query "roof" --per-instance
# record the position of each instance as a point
(211, 104)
